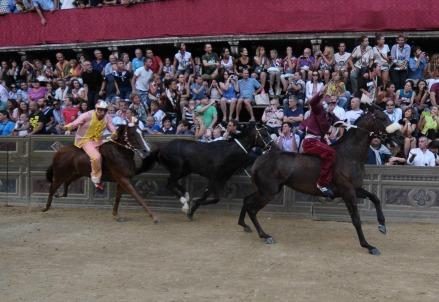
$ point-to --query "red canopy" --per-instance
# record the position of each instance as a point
(189, 18)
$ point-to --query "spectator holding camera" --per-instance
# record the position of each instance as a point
(417, 64)
(273, 116)
(421, 156)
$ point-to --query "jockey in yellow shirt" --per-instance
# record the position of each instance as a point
(89, 137)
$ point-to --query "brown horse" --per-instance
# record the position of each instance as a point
(71, 163)
(300, 172)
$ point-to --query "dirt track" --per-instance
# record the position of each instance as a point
(84, 255)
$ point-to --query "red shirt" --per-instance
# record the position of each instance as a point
(317, 123)
(70, 114)
(156, 61)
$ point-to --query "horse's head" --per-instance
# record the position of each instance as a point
(378, 124)
(131, 137)
(257, 135)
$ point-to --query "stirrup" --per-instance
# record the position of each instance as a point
(326, 191)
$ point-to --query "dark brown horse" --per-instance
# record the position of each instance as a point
(71, 163)
(300, 172)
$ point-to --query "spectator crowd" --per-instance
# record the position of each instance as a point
(201, 95)
(41, 6)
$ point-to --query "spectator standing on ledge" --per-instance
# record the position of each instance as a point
(139, 60)
(210, 63)
(400, 54)
(99, 62)
(421, 156)
(92, 79)
(141, 79)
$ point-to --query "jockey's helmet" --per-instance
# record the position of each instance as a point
(101, 104)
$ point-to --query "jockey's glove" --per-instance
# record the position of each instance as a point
(114, 136)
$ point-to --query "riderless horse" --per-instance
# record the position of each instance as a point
(217, 161)
(71, 163)
(275, 169)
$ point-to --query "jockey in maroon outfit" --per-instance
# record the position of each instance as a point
(317, 126)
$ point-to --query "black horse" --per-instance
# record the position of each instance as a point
(217, 161)
(71, 163)
(300, 172)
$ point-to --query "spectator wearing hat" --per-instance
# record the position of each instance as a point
(6, 125)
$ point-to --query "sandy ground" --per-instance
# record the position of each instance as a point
(84, 255)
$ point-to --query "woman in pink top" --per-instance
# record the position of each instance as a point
(37, 91)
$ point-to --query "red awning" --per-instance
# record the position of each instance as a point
(190, 18)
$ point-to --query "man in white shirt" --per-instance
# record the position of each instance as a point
(362, 57)
(394, 114)
(355, 112)
(421, 156)
(341, 60)
(338, 111)
(61, 91)
(141, 79)
(183, 61)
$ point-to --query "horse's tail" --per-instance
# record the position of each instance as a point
(49, 173)
(149, 162)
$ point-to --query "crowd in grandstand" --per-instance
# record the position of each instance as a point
(201, 95)
(41, 6)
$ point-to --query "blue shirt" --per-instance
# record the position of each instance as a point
(288, 113)
(45, 5)
(247, 87)
(99, 66)
(6, 128)
(417, 73)
(137, 63)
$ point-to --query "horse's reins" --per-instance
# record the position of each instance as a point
(127, 144)
(267, 146)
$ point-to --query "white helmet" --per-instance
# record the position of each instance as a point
(101, 104)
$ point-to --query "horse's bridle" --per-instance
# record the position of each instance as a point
(381, 135)
(267, 145)
(127, 144)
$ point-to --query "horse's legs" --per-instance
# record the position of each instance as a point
(117, 200)
(253, 204)
(67, 184)
(56, 183)
(195, 204)
(241, 220)
(214, 187)
(125, 185)
(362, 193)
(349, 198)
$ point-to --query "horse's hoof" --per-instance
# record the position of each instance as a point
(269, 240)
(45, 210)
(56, 195)
(156, 220)
(247, 229)
(119, 219)
(374, 251)
(190, 216)
(382, 228)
